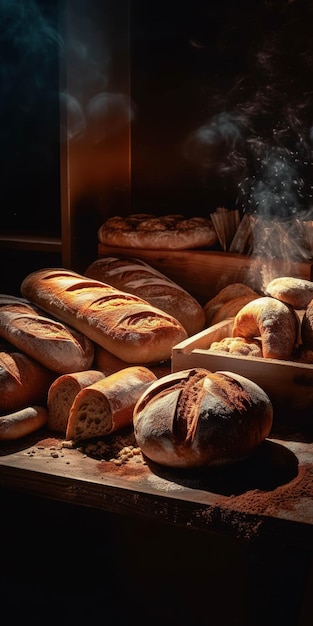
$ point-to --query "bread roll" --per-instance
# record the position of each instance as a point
(196, 418)
(121, 323)
(23, 422)
(273, 321)
(53, 344)
(23, 381)
(297, 292)
(239, 346)
(230, 308)
(107, 406)
(135, 276)
(228, 293)
(62, 393)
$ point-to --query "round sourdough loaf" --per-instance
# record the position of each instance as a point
(196, 418)
(149, 232)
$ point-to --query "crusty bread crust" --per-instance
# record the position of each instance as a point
(53, 344)
(23, 422)
(297, 292)
(122, 323)
(135, 276)
(223, 297)
(196, 418)
(148, 232)
(274, 322)
(23, 381)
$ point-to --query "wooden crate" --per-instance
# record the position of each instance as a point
(288, 384)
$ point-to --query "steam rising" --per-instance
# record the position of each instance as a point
(258, 134)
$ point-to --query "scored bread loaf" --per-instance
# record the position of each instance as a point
(135, 276)
(55, 345)
(23, 422)
(120, 322)
(62, 393)
(196, 418)
(23, 381)
(107, 405)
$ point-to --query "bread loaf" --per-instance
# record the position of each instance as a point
(23, 422)
(56, 346)
(62, 393)
(196, 418)
(107, 405)
(135, 276)
(121, 323)
(23, 381)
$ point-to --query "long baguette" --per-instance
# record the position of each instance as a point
(122, 323)
(56, 346)
(135, 276)
(23, 381)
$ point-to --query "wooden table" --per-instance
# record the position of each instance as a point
(265, 503)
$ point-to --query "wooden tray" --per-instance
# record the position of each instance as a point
(288, 384)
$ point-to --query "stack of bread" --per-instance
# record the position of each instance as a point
(86, 355)
(276, 325)
(68, 332)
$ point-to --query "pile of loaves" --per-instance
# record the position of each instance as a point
(86, 355)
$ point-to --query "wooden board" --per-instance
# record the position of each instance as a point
(270, 494)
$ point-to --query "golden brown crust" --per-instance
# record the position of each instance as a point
(23, 381)
(137, 277)
(225, 295)
(122, 323)
(196, 418)
(229, 309)
(297, 292)
(273, 321)
(168, 232)
(53, 344)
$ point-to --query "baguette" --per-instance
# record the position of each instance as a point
(62, 393)
(56, 346)
(107, 405)
(23, 422)
(23, 381)
(122, 323)
(135, 276)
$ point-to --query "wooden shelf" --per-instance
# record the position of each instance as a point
(30, 242)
